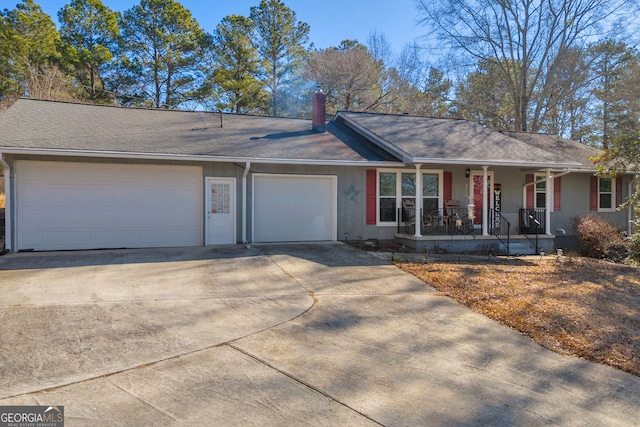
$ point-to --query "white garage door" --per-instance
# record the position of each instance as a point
(64, 205)
(294, 208)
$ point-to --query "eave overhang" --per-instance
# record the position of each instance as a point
(190, 157)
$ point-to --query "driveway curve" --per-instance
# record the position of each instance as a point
(378, 347)
(66, 317)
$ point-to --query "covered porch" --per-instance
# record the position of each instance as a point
(479, 224)
(458, 230)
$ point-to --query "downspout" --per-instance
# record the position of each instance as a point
(418, 203)
(8, 218)
(245, 200)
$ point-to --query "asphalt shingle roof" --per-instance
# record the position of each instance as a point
(69, 127)
(448, 140)
(564, 147)
(46, 125)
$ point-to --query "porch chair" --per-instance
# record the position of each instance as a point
(428, 224)
(449, 211)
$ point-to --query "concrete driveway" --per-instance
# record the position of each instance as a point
(314, 334)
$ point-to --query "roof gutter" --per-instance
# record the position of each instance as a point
(494, 163)
(193, 158)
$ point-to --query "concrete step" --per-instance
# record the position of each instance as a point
(520, 248)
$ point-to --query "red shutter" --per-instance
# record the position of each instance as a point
(618, 191)
(557, 193)
(447, 185)
(593, 193)
(371, 196)
(530, 190)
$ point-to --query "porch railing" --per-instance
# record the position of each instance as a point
(532, 223)
(501, 228)
(441, 222)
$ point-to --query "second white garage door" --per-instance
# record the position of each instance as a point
(294, 208)
(64, 205)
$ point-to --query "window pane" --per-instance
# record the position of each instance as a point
(408, 209)
(409, 184)
(430, 185)
(387, 210)
(605, 201)
(541, 183)
(220, 198)
(429, 206)
(605, 185)
(541, 200)
(387, 184)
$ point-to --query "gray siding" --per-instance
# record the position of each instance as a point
(352, 193)
(575, 203)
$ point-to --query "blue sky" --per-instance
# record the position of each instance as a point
(331, 21)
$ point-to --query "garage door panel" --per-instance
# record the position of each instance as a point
(63, 205)
(290, 208)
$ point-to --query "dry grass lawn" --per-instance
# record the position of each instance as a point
(585, 307)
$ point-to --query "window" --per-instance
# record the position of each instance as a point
(387, 212)
(430, 192)
(541, 191)
(606, 191)
(399, 189)
(220, 199)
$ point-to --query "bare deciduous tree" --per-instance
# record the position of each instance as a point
(525, 39)
(348, 74)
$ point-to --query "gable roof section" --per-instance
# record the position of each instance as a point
(450, 141)
(31, 126)
(566, 148)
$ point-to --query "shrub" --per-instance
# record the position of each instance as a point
(599, 239)
(634, 248)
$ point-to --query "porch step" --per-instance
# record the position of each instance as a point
(520, 248)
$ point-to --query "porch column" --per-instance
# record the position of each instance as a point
(548, 203)
(485, 201)
(418, 204)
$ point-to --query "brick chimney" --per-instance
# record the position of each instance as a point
(319, 111)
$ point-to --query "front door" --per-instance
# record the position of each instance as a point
(477, 178)
(220, 211)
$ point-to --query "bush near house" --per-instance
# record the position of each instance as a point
(634, 248)
(599, 239)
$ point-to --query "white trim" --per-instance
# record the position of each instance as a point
(613, 207)
(232, 204)
(399, 197)
(245, 201)
(8, 226)
(334, 201)
(542, 175)
(193, 158)
(492, 163)
(490, 179)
